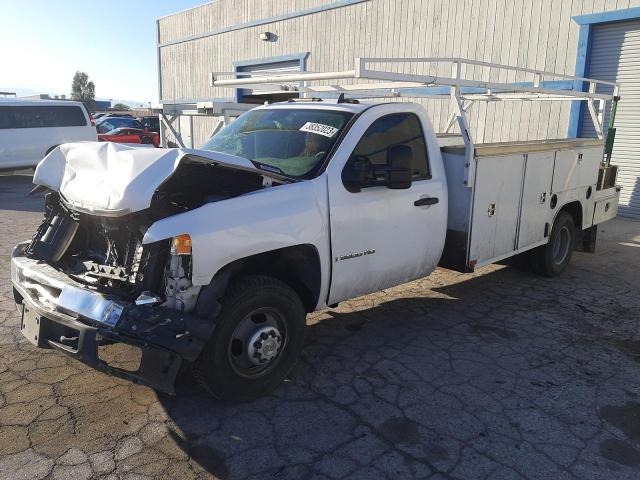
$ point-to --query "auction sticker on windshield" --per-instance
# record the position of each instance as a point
(319, 128)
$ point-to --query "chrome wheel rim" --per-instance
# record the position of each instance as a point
(257, 342)
(561, 245)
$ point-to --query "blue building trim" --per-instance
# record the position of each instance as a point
(608, 17)
(582, 60)
(266, 61)
(264, 21)
(585, 39)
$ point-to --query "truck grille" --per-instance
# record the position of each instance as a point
(91, 248)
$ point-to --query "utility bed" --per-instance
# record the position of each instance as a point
(504, 201)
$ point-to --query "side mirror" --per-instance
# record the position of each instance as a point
(399, 167)
(357, 174)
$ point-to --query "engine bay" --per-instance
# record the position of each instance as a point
(106, 253)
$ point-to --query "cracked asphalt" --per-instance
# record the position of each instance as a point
(494, 375)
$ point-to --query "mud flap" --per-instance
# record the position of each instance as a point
(587, 240)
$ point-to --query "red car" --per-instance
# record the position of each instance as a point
(130, 135)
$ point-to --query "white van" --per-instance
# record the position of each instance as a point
(30, 129)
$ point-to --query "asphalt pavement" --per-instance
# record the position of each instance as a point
(494, 375)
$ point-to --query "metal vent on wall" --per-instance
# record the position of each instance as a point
(267, 92)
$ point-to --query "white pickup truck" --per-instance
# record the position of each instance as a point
(214, 256)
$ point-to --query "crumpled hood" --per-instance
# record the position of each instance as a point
(116, 179)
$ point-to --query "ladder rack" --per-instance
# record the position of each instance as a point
(462, 81)
(460, 84)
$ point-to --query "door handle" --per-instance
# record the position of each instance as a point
(426, 201)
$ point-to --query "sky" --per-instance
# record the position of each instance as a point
(44, 42)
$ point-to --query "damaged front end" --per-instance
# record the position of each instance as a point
(87, 281)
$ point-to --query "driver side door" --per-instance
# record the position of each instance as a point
(382, 237)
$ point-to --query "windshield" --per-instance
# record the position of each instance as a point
(293, 142)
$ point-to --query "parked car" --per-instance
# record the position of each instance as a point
(30, 129)
(130, 135)
(116, 114)
(107, 124)
(97, 116)
(151, 122)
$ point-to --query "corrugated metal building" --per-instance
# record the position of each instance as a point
(599, 38)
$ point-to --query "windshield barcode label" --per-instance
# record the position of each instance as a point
(319, 128)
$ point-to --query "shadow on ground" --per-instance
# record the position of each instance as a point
(494, 375)
(503, 365)
(15, 189)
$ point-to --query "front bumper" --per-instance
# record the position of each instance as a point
(59, 312)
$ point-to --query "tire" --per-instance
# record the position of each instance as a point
(551, 259)
(146, 140)
(251, 307)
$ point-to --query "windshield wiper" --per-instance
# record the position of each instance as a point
(275, 170)
(269, 168)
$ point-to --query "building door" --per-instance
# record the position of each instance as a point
(615, 56)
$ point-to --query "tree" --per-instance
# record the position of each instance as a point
(121, 106)
(83, 90)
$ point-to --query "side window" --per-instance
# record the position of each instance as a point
(41, 116)
(26, 117)
(394, 129)
(6, 119)
(69, 116)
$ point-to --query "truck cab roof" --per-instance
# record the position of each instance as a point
(330, 104)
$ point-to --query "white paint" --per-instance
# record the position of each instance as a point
(114, 178)
(319, 129)
(407, 240)
(257, 222)
(379, 236)
(25, 147)
(508, 207)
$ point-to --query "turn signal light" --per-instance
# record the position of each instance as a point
(181, 245)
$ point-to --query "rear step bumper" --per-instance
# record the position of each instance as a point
(164, 336)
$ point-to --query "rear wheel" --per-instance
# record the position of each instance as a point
(551, 259)
(258, 337)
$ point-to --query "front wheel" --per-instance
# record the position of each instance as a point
(551, 259)
(256, 342)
